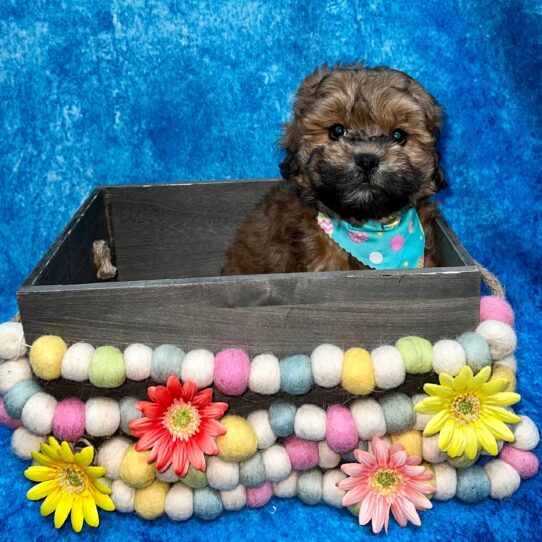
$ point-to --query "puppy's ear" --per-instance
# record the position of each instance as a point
(439, 182)
(433, 112)
(289, 167)
(307, 90)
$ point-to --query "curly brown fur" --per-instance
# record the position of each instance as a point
(330, 174)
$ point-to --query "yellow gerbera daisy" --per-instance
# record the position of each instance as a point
(69, 484)
(468, 412)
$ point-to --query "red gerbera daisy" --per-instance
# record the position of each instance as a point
(179, 425)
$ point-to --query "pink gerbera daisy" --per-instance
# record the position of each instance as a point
(179, 425)
(386, 479)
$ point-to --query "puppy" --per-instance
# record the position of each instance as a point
(361, 160)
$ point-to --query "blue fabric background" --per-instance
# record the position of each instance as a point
(98, 92)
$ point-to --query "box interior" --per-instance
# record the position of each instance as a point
(169, 231)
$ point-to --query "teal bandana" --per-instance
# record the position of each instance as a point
(397, 244)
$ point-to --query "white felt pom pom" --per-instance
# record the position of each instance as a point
(198, 365)
(388, 367)
(310, 423)
(123, 496)
(504, 480)
(286, 488)
(421, 419)
(526, 434)
(276, 463)
(500, 337)
(445, 481)
(110, 456)
(332, 495)
(259, 421)
(448, 357)
(167, 476)
(510, 362)
(138, 361)
(431, 451)
(38, 412)
(23, 443)
(76, 361)
(327, 458)
(235, 499)
(222, 475)
(179, 504)
(13, 372)
(102, 416)
(264, 376)
(327, 365)
(369, 418)
(12, 341)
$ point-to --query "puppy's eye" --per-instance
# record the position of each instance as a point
(337, 131)
(399, 136)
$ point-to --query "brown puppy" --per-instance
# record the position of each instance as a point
(361, 146)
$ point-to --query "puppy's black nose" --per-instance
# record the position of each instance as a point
(366, 162)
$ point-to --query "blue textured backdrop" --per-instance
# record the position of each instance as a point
(100, 92)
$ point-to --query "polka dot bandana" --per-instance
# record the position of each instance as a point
(398, 243)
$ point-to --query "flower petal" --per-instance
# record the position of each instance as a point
(66, 453)
(480, 379)
(174, 387)
(96, 472)
(48, 506)
(189, 390)
(380, 451)
(381, 510)
(160, 395)
(63, 509)
(434, 390)
(195, 455)
(463, 379)
(446, 435)
(90, 512)
(487, 440)
(40, 474)
(85, 456)
(493, 387)
(366, 510)
(180, 459)
(500, 413)
(44, 460)
(101, 500)
(472, 444)
(430, 405)
(77, 514)
(398, 459)
(505, 398)
(458, 443)
(212, 427)
(446, 380)
(41, 490)
(214, 410)
(353, 469)
(436, 423)
(501, 431)
(151, 410)
(203, 398)
(365, 458)
(356, 494)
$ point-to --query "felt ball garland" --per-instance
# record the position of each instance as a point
(291, 448)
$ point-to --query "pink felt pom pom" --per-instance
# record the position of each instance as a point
(525, 463)
(259, 496)
(495, 308)
(69, 420)
(232, 369)
(303, 454)
(6, 419)
(341, 432)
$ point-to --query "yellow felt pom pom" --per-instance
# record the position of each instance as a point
(46, 356)
(501, 371)
(411, 441)
(150, 501)
(239, 443)
(134, 469)
(358, 376)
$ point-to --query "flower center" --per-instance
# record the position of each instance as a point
(72, 479)
(386, 481)
(182, 420)
(465, 409)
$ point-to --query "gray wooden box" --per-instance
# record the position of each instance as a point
(169, 241)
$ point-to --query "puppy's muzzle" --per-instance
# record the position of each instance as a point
(367, 162)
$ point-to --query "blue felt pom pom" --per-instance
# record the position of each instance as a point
(476, 350)
(282, 418)
(166, 361)
(296, 375)
(207, 503)
(17, 396)
(472, 484)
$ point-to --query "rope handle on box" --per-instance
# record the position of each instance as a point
(492, 282)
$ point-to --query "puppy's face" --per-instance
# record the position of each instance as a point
(362, 142)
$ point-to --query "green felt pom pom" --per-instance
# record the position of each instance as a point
(106, 369)
(417, 354)
(194, 478)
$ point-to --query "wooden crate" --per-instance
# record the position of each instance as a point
(169, 244)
